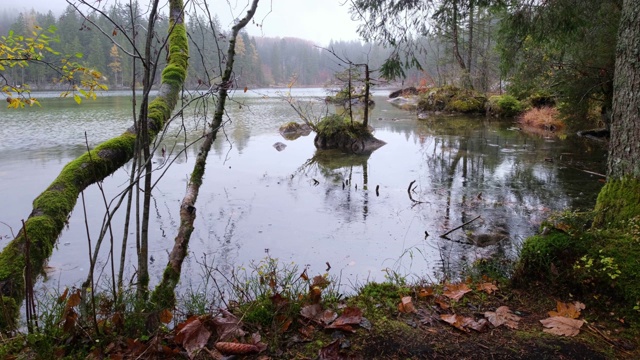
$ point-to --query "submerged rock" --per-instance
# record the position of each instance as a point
(293, 130)
(279, 146)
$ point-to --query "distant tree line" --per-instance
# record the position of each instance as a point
(260, 61)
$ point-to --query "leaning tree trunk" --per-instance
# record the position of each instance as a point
(164, 294)
(619, 199)
(52, 208)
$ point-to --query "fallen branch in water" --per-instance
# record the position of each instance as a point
(409, 190)
(454, 229)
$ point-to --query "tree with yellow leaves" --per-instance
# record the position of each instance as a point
(21, 51)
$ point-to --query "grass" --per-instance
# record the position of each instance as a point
(267, 297)
(544, 118)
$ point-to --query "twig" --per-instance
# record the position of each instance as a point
(409, 189)
(454, 229)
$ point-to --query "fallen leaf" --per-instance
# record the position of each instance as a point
(193, 336)
(315, 313)
(227, 326)
(503, 316)
(63, 297)
(570, 310)
(166, 316)
(479, 325)
(456, 291)
(332, 352)
(487, 287)
(307, 331)
(406, 305)
(279, 301)
(560, 325)
(74, 299)
(350, 316)
(425, 292)
(454, 320)
(320, 281)
(444, 305)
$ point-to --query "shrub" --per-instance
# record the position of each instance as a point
(504, 105)
(546, 118)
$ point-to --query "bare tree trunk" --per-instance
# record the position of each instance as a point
(164, 294)
(52, 208)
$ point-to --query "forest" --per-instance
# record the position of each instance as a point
(515, 126)
(261, 61)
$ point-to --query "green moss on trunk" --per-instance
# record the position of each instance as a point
(618, 202)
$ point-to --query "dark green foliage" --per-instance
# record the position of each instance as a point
(504, 106)
(563, 48)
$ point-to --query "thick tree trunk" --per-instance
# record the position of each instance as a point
(164, 294)
(52, 208)
(619, 200)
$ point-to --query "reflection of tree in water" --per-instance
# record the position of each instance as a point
(482, 168)
(343, 181)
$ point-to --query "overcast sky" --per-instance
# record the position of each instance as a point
(317, 20)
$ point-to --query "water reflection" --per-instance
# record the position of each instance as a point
(308, 206)
(345, 174)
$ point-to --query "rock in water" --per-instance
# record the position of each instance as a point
(279, 146)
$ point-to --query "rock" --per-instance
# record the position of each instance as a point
(279, 146)
(409, 103)
(404, 92)
(293, 130)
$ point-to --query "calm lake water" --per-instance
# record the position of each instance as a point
(300, 205)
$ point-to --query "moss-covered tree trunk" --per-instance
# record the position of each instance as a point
(619, 200)
(164, 294)
(52, 208)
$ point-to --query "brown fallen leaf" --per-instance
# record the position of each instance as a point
(479, 325)
(456, 291)
(227, 326)
(315, 313)
(332, 352)
(166, 316)
(503, 316)
(444, 305)
(454, 320)
(425, 292)
(487, 287)
(193, 336)
(350, 316)
(570, 310)
(560, 325)
(406, 305)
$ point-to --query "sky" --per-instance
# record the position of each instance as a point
(316, 20)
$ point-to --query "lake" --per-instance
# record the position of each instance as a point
(300, 205)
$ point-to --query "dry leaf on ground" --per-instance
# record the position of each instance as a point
(406, 305)
(570, 310)
(454, 320)
(193, 336)
(227, 326)
(425, 292)
(315, 313)
(503, 316)
(350, 316)
(560, 325)
(456, 291)
(487, 287)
